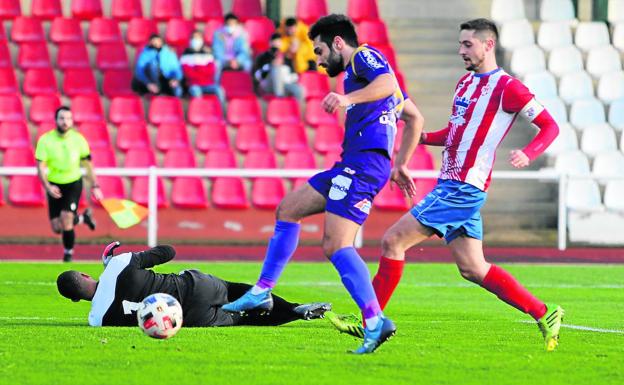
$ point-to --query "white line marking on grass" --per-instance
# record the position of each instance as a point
(42, 318)
(585, 328)
(31, 283)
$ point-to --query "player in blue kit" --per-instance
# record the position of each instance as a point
(373, 103)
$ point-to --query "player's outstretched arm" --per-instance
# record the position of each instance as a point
(95, 188)
(414, 122)
(156, 256)
(381, 87)
(436, 138)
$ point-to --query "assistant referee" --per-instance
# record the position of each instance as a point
(60, 153)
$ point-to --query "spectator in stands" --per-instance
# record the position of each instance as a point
(198, 65)
(273, 72)
(60, 153)
(157, 70)
(231, 46)
(297, 46)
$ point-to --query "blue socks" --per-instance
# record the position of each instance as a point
(281, 247)
(356, 279)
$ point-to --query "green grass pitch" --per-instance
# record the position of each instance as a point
(449, 332)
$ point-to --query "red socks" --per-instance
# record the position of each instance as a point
(505, 286)
(387, 279)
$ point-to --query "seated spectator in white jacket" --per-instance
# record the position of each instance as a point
(199, 67)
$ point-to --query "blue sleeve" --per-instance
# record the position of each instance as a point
(174, 68)
(139, 70)
(369, 64)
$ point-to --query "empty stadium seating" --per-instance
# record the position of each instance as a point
(359, 10)
(308, 11)
(126, 9)
(203, 10)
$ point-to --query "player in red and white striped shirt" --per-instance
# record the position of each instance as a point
(486, 102)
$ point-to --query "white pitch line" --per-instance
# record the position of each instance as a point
(421, 284)
(42, 318)
(584, 328)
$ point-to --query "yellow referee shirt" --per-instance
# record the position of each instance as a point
(62, 155)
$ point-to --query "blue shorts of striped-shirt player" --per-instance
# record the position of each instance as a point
(452, 209)
(350, 186)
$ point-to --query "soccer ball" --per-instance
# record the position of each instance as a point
(160, 316)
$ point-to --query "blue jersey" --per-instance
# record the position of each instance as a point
(371, 125)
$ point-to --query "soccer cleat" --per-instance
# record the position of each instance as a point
(109, 252)
(88, 220)
(309, 311)
(550, 324)
(262, 303)
(374, 338)
(349, 323)
(67, 257)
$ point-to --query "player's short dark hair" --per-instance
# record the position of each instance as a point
(481, 25)
(70, 284)
(230, 16)
(275, 36)
(59, 110)
(290, 21)
(330, 26)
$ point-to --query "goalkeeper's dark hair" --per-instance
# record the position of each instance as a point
(330, 26)
(71, 284)
(481, 26)
(59, 110)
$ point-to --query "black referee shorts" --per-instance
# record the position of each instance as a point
(70, 196)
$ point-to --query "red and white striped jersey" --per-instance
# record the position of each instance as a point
(484, 108)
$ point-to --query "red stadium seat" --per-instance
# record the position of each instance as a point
(27, 30)
(244, 111)
(11, 109)
(212, 137)
(359, 10)
(5, 55)
(9, 10)
(140, 192)
(19, 157)
(204, 10)
(163, 10)
(422, 160)
(40, 82)
(112, 187)
(79, 82)
(46, 9)
(179, 32)
(87, 108)
(103, 157)
(224, 158)
(104, 30)
(42, 108)
(291, 137)
(189, 193)
(283, 111)
(267, 193)
(132, 136)
(3, 35)
(251, 137)
(86, 9)
(373, 32)
(339, 85)
(14, 135)
(140, 158)
(237, 84)
(209, 29)
(26, 191)
(315, 84)
(126, 109)
(112, 56)
(125, 10)
(205, 110)
(328, 139)
(315, 115)
(72, 55)
(259, 31)
(171, 136)
(180, 158)
(229, 193)
(33, 55)
(96, 134)
(8, 82)
(263, 158)
(391, 198)
(331, 158)
(399, 135)
(166, 109)
(139, 31)
(309, 11)
(66, 30)
(246, 9)
(2, 202)
(300, 160)
(44, 127)
(117, 83)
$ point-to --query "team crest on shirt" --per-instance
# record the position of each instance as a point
(461, 106)
(485, 91)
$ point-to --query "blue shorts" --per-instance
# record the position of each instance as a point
(452, 209)
(350, 186)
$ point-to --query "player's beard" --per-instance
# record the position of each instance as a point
(334, 64)
(474, 64)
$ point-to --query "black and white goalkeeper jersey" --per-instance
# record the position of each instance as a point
(125, 283)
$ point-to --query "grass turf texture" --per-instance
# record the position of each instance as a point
(449, 332)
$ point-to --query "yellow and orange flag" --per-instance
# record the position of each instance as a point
(123, 212)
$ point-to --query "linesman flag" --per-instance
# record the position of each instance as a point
(123, 212)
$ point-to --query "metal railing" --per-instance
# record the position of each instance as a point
(547, 176)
